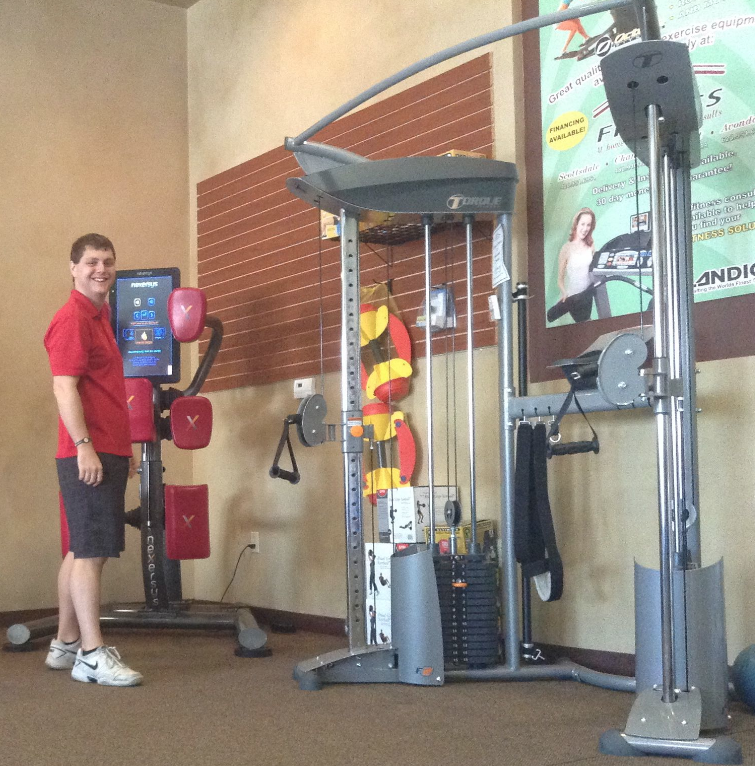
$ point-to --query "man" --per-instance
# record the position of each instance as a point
(94, 461)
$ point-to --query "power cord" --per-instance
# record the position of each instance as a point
(235, 569)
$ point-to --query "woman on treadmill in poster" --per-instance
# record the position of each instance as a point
(574, 277)
(572, 26)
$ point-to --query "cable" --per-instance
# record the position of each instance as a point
(321, 319)
(637, 213)
(235, 569)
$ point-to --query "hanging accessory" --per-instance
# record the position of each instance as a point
(554, 448)
(535, 545)
(312, 430)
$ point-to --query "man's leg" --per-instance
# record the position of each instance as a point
(85, 579)
(95, 662)
(68, 625)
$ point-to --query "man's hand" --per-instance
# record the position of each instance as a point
(90, 466)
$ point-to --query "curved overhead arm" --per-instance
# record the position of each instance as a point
(647, 20)
(216, 339)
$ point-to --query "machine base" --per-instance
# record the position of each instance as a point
(722, 750)
(369, 664)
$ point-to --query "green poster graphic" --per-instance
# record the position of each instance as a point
(596, 202)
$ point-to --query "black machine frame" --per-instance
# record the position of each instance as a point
(164, 605)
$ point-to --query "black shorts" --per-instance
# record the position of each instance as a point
(96, 515)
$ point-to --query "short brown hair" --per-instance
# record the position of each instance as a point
(95, 241)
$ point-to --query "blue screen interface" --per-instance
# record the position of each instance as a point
(142, 328)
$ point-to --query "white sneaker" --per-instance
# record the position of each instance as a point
(104, 666)
(62, 656)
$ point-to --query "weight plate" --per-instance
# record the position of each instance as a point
(481, 631)
(478, 632)
(470, 613)
(478, 625)
(467, 603)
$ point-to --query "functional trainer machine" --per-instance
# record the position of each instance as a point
(152, 316)
(680, 641)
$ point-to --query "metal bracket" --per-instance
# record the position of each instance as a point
(653, 718)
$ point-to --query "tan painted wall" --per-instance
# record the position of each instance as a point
(259, 71)
(93, 137)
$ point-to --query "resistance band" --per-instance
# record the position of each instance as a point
(534, 536)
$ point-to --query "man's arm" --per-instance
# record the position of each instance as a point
(72, 414)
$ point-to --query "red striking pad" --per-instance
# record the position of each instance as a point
(191, 422)
(407, 451)
(187, 522)
(187, 309)
(64, 538)
(141, 413)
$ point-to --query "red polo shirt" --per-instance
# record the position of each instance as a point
(80, 343)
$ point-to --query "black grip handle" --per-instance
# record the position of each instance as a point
(573, 448)
(279, 473)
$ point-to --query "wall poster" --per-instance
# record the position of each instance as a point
(595, 196)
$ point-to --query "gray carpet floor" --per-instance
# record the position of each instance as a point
(202, 705)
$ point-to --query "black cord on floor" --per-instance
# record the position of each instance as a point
(251, 547)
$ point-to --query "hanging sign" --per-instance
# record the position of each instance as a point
(500, 273)
(595, 196)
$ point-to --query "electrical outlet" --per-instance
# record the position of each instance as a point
(254, 541)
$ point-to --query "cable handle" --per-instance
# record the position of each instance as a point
(570, 448)
(276, 472)
(573, 448)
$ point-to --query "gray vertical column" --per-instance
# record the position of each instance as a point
(509, 589)
(675, 298)
(682, 201)
(427, 222)
(468, 223)
(661, 400)
(351, 415)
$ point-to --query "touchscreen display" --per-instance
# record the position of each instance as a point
(139, 303)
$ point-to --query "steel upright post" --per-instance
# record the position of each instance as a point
(468, 224)
(509, 588)
(427, 222)
(661, 400)
(351, 414)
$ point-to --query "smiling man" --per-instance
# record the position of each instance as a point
(94, 461)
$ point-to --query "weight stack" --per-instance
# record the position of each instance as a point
(468, 594)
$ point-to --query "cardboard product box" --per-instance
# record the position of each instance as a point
(397, 516)
(330, 224)
(404, 512)
(377, 603)
(487, 538)
(462, 153)
(442, 493)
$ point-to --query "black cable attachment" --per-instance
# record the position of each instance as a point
(570, 448)
(276, 472)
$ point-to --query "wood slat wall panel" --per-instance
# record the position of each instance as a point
(339, 130)
(264, 269)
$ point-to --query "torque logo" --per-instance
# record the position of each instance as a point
(647, 60)
(186, 309)
(188, 520)
(128, 402)
(457, 201)
(192, 421)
